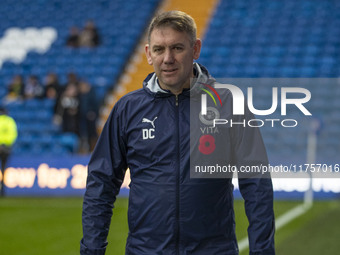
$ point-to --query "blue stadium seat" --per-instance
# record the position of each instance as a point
(69, 141)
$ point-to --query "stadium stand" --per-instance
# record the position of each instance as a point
(295, 39)
(120, 24)
(243, 39)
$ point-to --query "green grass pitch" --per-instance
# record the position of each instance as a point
(31, 226)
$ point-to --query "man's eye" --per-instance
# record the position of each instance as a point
(157, 50)
(178, 48)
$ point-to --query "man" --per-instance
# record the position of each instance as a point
(8, 135)
(148, 131)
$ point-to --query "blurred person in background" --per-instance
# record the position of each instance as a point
(52, 86)
(16, 89)
(8, 135)
(73, 38)
(89, 36)
(71, 78)
(67, 110)
(33, 88)
(88, 113)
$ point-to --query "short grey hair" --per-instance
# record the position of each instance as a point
(177, 20)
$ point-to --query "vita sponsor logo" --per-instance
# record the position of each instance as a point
(208, 114)
(149, 133)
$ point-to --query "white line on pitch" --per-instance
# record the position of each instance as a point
(281, 221)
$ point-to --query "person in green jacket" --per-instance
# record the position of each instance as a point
(8, 135)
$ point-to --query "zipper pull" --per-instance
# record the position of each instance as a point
(176, 100)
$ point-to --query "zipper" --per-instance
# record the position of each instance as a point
(177, 178)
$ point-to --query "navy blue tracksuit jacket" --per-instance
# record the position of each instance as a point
(169, 212)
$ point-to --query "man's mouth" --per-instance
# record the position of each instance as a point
(170, 71)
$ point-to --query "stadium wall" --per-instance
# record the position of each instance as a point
(66, 176)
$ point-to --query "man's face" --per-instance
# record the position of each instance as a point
(172, 55)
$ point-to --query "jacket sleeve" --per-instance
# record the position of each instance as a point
(256, 189)
(106, 171)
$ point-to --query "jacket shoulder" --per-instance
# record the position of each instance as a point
(128, 102)
(131, 97)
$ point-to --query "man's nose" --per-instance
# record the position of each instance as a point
(168, 57)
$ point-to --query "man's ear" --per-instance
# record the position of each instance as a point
(197, 48)
(148, 54)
